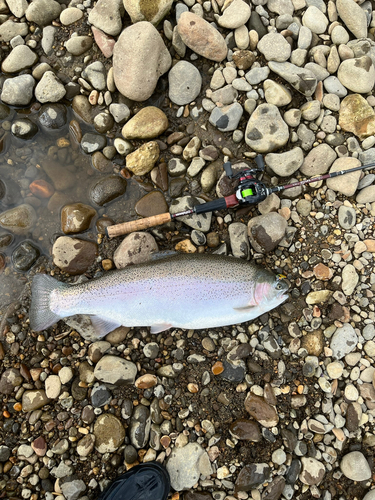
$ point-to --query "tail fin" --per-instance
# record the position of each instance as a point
(41, 316)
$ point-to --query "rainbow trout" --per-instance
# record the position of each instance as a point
(190, 291)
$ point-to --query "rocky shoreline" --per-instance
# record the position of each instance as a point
(119, 108)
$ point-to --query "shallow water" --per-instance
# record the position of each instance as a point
(25, 161)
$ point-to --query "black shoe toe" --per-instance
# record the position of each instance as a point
(147, 481)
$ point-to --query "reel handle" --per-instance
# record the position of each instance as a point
(137, 225)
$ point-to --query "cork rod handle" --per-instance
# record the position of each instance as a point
(137, 225)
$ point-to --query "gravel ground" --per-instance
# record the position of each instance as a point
(111, 111)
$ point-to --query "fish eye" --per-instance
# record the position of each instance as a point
(279, 286)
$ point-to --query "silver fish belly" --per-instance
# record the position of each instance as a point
(184, 291)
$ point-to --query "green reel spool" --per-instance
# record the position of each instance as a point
(247, 192)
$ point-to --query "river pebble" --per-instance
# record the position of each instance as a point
(185, 465)
(139, 50)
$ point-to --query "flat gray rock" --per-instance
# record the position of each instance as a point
(366, 195)
(10, 29)
(285, 164)
(345, 184)
(280, 6)
(18, 91)
(357, 75)
(49, 89)
(347, 217)
(43, 12)
(318, 161)
(315, 20)
(333, 86)
(235, 15)
(72, 487)
(106, 16)
(139, 59)
(266, 231)
(185, 465)
(354, 466)
(185, 83)
(115, 370)
(96, 74)
(343, 341)
(257, 75)
(20, 58)
(274, 47)
(239, 240)
(266, 131)
(301, 79)
(226, 118)
(353, 17)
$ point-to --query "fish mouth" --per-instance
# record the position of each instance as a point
(283, 297)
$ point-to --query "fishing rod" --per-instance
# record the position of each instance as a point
(249, 192)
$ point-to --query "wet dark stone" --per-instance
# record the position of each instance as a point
(78, 393)
(101, 163)
(274, 489)
(252, 475)
(293, 471)
(4, 453)
(100, 396)
(88, 415)
(93, 142)
(232, 373)
(8, 425)
(103, 123)
(240, 352)
(176, 187)
(197, 495)
(308, 370)
(4, 111)
(107, 189)
(267, 434)
(352, 418)
(159, 176)
(47, 485)
(76, 218)
(289, 439)
(139, 426)
(151, 204)
(9, 193)
(10, 379)
(25, 255)
(14, 471)
(103, 223)
(127, 409)
(23, 128)
(255, 23)
(245, 430)
(52, 116)
(305, 288)
(130, 454)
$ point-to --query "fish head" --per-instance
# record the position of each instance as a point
(270, 289)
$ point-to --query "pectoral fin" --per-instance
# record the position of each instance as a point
(244, 309)
(103, 326)
(161, 327)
